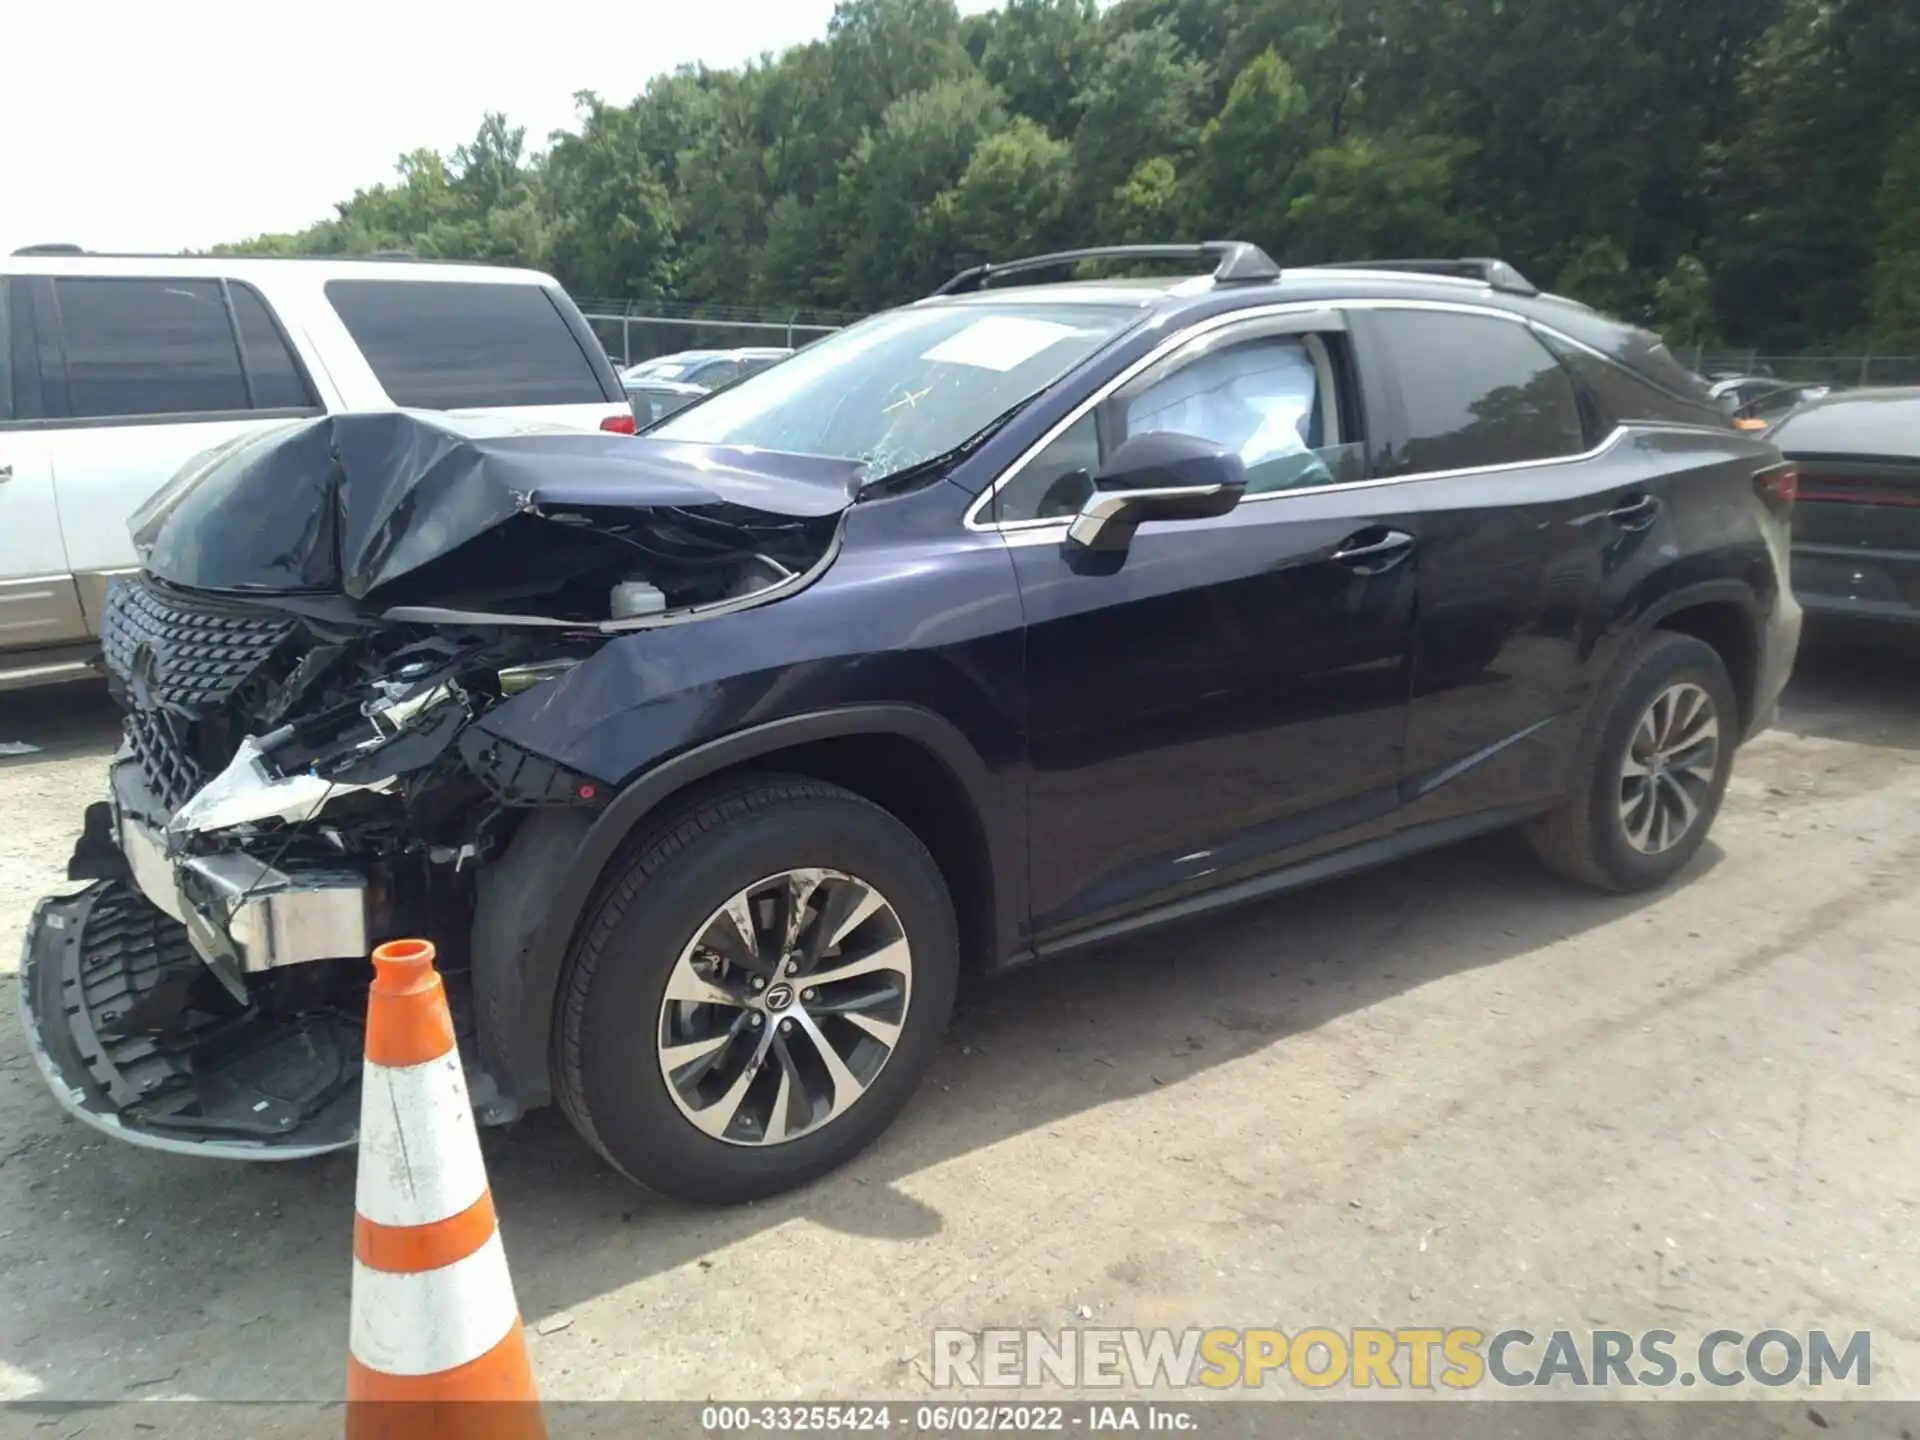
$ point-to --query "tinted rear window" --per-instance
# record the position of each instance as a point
(452, 345)
(148, 347)
(1477, 392)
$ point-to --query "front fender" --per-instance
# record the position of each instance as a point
(521, 938)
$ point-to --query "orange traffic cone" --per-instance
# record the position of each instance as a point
(435, 1329)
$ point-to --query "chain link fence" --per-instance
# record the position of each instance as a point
(636, 330)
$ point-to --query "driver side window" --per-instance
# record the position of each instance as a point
(1271, 399)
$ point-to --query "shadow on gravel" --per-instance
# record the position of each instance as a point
(238, 1275)
(1851, 688)
(1027, 1050)
(57, 720)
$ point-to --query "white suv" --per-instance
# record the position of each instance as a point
(115, 371)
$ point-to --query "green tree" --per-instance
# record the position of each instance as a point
(1015, 197)
(1895, 309)
(1828, 91)
(1149, 207)
(1248, 151)
(895, 241)
(1040, 53)
(881, 50)
(1738, 170)
(1378, 198)
(613, 215)
(1683, 304)
(1141, 102)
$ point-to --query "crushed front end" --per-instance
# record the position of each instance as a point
(303, 774)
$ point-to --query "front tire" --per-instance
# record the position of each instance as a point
(758, 992)
(1651, 771)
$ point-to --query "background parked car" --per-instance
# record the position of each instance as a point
(1856, 521)
(706, 369)
(115, 371)
(1757, 402)
(654, 400)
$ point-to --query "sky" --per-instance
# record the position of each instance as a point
(144, 126)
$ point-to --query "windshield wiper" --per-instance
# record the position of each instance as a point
(896, 482)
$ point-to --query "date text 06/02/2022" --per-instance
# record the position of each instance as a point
(946, 1418)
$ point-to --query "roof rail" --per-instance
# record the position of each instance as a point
(1497, 273)
(1233, 261)
(54, 247)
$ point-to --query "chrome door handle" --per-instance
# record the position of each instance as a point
(1358, 550)
(6, 473)
(1373, 556)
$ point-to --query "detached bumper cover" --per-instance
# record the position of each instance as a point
(135, 1037)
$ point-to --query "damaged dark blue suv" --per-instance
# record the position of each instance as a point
(990, 627)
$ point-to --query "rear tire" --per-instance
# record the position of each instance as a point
(678, 1047)
(1651, 772)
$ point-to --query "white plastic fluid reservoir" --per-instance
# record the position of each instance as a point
(632, 598)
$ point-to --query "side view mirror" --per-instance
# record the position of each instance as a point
(1157, 476)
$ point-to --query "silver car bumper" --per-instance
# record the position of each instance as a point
(237, 908)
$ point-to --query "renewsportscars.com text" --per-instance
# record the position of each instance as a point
(1456, 1358)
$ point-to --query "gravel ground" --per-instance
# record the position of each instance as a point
(1453, 1092)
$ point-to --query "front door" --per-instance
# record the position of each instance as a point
(1230, 694)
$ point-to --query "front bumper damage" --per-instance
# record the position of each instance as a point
(308, 766)
(141, 1000)
(134, 1036)
(242, 914)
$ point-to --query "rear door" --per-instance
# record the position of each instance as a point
(139, 375)
(1231, 694)
(480, 346)
(38, 602)
(1536, 522)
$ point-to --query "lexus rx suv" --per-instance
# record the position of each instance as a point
(986, 629)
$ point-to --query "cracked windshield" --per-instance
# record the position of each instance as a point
(905, 387)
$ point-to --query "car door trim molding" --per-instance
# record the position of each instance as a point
(1045, 526)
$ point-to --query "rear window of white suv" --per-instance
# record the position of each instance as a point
(459, 345)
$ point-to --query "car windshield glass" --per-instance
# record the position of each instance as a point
(660, 370)
(905, 386)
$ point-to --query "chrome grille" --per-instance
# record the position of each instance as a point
(188, 658)
(178, 666)
(160, 746)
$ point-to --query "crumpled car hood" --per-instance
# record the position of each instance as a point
(350, 503)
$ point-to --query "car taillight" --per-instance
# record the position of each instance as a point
(1780, 486)
(619, 425)
(1749, 422)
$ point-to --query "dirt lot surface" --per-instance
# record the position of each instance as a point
(1453, 1092)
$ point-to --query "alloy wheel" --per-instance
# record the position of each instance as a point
(1669, 768)
(784, 1007)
